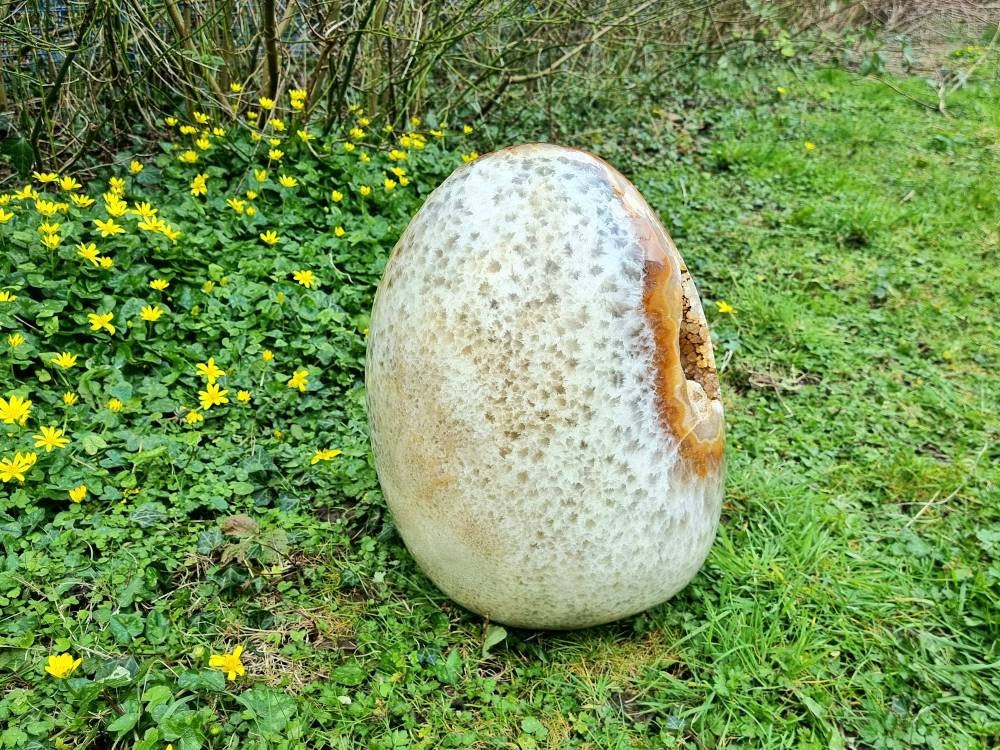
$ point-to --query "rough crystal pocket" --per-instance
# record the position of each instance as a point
(542, 394)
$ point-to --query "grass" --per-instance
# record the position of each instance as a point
(850, 599)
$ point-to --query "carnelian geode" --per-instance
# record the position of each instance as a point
(542, 395)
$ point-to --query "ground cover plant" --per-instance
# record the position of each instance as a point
(196, 552)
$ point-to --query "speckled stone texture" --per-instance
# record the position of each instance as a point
(542, 394)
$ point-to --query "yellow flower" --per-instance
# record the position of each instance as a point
(62, 666)
(229, 663)
(109, 227)
(45, 176)
(15, 410)
(236, 204)
(275, 154)
(339, 231)
(274, 142)
(78, 493)
(203, 143)
(397, 155)
(437, 133)
(324, 455)
(100, 321)
(255, 136)
(171, 121)
(279, 435)
(364, 122)
(236, 87)
(68, 183)
(398, 171)
(337, 196)
(83, 201)
(15, 340)
(89, 252)
(467, 129)
(70, 398)
(198, 185)
(144, 210)
(297, 93)
(188, 157)
(46, 208)
(364, 157)
(781, 90)
(115, 206)
(299, 380)
(243, 396)
(251, 210)
(267, 355)
(169, 232)
(115, 405)
(266, 103)
(6, 296)
(298, 104)
(212, 396)
(357, 133)
(209, 370)
(251, 194)
(305, 278)
(4, 199)
(288, 182)
(15, 468)
(276, 124)
(405, 141)
(389, 184)
(27, 193)
(135, 167)
(471, 156)
(200, 117)
(188, 130)
(117, 185)
(193, 417)
(5, 216)
(348, 146)
(404, 181)
(304, 135)
(65, 360)
(414, 121)
(159, 284)
(724, 307)
(279, 298)
(218, 132)
(365, 190)
(260, 175)
(270, 237)
(151, 313)
(49, 438)
(51, 241)
(105, 262)
(810, 146)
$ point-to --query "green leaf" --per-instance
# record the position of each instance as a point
(157, 627)
(157, 695)
(270, 708)
(494, 635)
(21, 156)
(205, 679)
(349, 673)
(131, 711)
(92, 443)
(125, 627)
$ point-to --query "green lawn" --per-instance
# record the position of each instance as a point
(852, 595)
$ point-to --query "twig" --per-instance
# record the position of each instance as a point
(933, 501)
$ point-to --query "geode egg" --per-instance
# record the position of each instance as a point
(542, 395)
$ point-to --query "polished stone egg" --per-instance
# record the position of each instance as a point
(542, 395)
